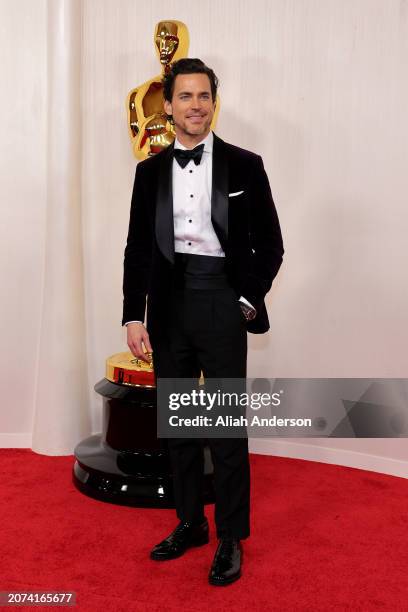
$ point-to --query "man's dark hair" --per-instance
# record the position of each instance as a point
(188, 65)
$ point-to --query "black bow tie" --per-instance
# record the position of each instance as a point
(183, 156)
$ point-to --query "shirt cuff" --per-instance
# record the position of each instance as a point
(127, 322)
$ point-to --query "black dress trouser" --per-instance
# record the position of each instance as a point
(206, 331)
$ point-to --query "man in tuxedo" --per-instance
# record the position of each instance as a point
(204, 245)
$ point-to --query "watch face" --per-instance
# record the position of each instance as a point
(249, 313)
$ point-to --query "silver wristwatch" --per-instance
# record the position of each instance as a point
(248, 312)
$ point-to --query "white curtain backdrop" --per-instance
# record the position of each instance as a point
(318, 88)
(61, 415)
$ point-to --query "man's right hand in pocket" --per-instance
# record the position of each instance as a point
(137, 338)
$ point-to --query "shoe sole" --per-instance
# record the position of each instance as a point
(225, 582)
(194, 544)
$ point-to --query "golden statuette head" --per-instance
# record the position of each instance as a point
(169, 36)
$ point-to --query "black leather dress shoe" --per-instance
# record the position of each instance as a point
(226, 567)
(183, 537)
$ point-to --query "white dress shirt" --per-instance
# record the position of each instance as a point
(193, 230)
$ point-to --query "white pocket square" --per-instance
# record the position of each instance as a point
(236, 193)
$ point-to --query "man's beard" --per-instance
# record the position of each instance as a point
(203, 128)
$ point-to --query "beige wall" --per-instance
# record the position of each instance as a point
(319, 89)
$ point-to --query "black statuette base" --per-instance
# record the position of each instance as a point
(127, 464)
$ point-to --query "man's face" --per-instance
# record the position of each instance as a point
(192, 105)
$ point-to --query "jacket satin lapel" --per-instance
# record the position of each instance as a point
(219, 191)
(164, 206)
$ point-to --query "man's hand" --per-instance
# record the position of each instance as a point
(137, 337)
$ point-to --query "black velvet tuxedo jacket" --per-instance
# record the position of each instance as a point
(247, 227)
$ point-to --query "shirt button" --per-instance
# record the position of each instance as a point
(190, 171)
(191, 195)
(189, 243)
(189, 220)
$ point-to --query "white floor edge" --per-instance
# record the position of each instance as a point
(333, 456)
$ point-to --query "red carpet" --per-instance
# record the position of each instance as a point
(323, 538)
